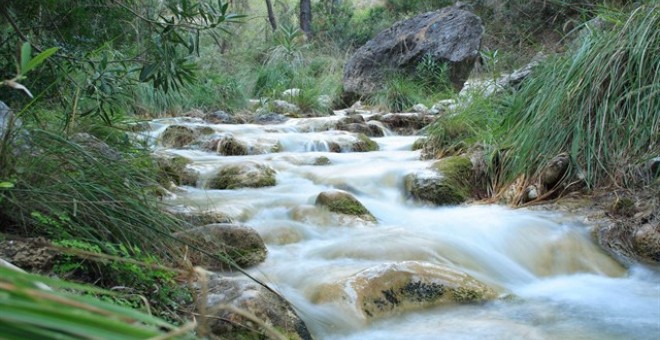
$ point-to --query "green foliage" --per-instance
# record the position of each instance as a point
(32, 312)
(598, 103)
(139, 272)
(432, 75)
(414, 7)
(95, 67)
(399, 94)
(83, 191)
(475, 122)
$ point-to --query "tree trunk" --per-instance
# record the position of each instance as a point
(271, 15)
(306, 17)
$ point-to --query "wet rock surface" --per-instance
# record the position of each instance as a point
(450, 35)
(240, 244)
(243, 175)
(228, 301)
(342, 202)
(392, 288)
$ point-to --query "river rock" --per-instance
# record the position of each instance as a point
(291, 93)
(631, 241)
(392, 288)
(364, 144)
(343, 202)
(221, 117)
(446, 182)
(450, 35)
(229, 146)
(404, 123)
(554, 171)
(282, 106)
(177, 136)
(201, 218)
(243, 175)
(369, 130)
(174, 169)
(240, 244)
(265, 118)
(248, 296)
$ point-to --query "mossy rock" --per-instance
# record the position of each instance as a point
(322, 161)
(393, 288)
(342, 202)
(243, 175)
(364, 144)
(175, 169)
(177, 136)
(448, 182)
(230, 146)
(227, 242)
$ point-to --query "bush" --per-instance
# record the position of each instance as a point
(598, 103)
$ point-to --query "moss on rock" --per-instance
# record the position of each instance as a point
(177, 136)
(448, 182)
(342, 202)
(243, 175)
(175, 169)
(364, 144)
(393, 288)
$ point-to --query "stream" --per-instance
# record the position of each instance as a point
(552, 280)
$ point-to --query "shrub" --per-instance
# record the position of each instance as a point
(598, 103)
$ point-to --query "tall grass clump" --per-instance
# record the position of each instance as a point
(398, 94)
(87, 191)
(473, 123)
(598, 103)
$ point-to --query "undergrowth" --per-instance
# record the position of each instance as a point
(598, 103)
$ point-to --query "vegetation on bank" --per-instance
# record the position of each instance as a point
(70, 172)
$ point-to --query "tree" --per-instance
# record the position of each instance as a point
(120, 44)
(306, 17)
(271, 15)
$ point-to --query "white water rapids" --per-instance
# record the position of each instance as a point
(555, 283)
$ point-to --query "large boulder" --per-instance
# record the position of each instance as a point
(239, 244)
(243, 175)
(228, 302)
(446, 182)
(392, 288)
(342, 202)
(450, 35)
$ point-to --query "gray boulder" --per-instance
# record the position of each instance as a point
(227, 302)
(450, 35)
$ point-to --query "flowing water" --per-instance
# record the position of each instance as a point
(553, 281)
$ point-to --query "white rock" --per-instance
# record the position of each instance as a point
(420, 108)
(290, 93)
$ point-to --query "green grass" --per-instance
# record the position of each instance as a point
(31, 312)
(599, 103)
